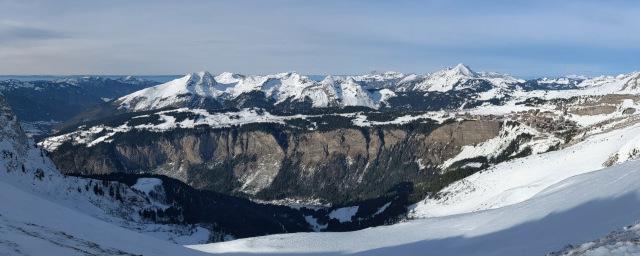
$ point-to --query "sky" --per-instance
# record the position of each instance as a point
(522, 38)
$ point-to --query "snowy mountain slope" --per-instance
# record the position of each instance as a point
(25, 166)
(456, 78)
(33, 225)
(578, 209)
(201, 84)
(494, 148)
(514, 181)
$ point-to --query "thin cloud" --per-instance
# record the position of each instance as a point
(11, 31)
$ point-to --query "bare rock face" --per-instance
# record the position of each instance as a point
(274, 162)
(599, 105)
(629, 111)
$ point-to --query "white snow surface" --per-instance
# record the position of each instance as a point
(493, 147)
(147, 185)
(519, 179)
(359, 119)
(344, 214)
(449, 79)
(93, 135)
(314, 223)
(201, 84)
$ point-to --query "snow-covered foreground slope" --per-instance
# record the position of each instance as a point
(43, 212)
(32, 225)
(517, 180)
(575, 210)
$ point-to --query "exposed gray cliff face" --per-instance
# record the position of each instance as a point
(274, 162)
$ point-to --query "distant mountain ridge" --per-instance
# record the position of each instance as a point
(294, 93)
(369, 90)
(42, 104)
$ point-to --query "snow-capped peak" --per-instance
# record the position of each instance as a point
(446, 79)
(293, 76)
(461, 70)
(458, 71)
(460, 77)
(202, 78)
(174, 92)
(229, 78)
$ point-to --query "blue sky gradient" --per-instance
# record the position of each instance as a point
(523, 38)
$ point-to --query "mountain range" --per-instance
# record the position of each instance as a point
(376, 90)
(479, 160)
